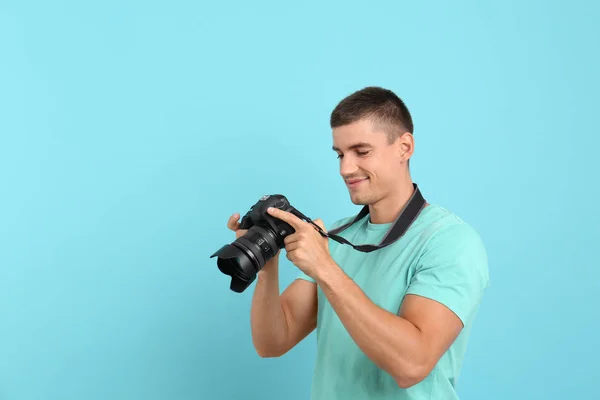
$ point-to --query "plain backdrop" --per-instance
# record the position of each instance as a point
(130, 132)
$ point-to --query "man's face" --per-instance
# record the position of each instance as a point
(369, 164)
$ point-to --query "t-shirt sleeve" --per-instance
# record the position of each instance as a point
(453, 270)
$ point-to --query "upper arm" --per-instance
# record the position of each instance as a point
(438, 327)
(446, 288)
(299, 303)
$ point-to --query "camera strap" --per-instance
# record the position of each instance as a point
(409, 214)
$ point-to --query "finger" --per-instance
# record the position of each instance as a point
(232, 222)
(289, 248)
(291, 255)
(285, 216)
(319, 223)
(293, 238)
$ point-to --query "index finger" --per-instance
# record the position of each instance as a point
(288, 217)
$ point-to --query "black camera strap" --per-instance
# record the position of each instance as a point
(409, 214)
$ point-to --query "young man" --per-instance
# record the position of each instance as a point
(391, 323)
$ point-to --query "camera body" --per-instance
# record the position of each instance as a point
(258, 216)
(247, 255)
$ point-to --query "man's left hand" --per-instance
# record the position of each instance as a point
(305, 248)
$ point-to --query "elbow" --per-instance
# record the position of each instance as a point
(411, 376)
(406, 382)
(268, 350)
(268, 353)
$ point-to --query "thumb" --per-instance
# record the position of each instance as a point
(319, 223)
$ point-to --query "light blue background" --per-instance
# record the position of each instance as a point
(130, 131)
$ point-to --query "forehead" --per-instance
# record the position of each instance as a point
(358, 134)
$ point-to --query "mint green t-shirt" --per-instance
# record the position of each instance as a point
(440, 257)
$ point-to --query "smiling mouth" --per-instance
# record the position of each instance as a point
(354, 182)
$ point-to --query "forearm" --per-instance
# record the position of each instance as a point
(392, 343)
(268, 321)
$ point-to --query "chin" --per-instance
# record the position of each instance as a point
(359, 200)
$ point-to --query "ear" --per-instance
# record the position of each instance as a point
(406, 146)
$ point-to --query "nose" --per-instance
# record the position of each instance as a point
(347, 166)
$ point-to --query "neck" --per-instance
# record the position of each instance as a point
(388, 209)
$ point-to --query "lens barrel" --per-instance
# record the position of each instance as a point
(246, 256)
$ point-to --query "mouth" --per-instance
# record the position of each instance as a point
(352, 183)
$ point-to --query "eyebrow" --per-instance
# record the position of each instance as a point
(354, 146)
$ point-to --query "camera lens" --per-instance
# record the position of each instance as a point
(246, 256)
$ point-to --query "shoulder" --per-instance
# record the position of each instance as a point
(444, 226)
(451, 240)
(452, 267)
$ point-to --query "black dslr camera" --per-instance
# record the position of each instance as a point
(247, 255)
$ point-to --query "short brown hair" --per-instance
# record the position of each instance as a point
(382, 106)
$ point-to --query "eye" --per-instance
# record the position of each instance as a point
(362, 153)
(339, 156)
